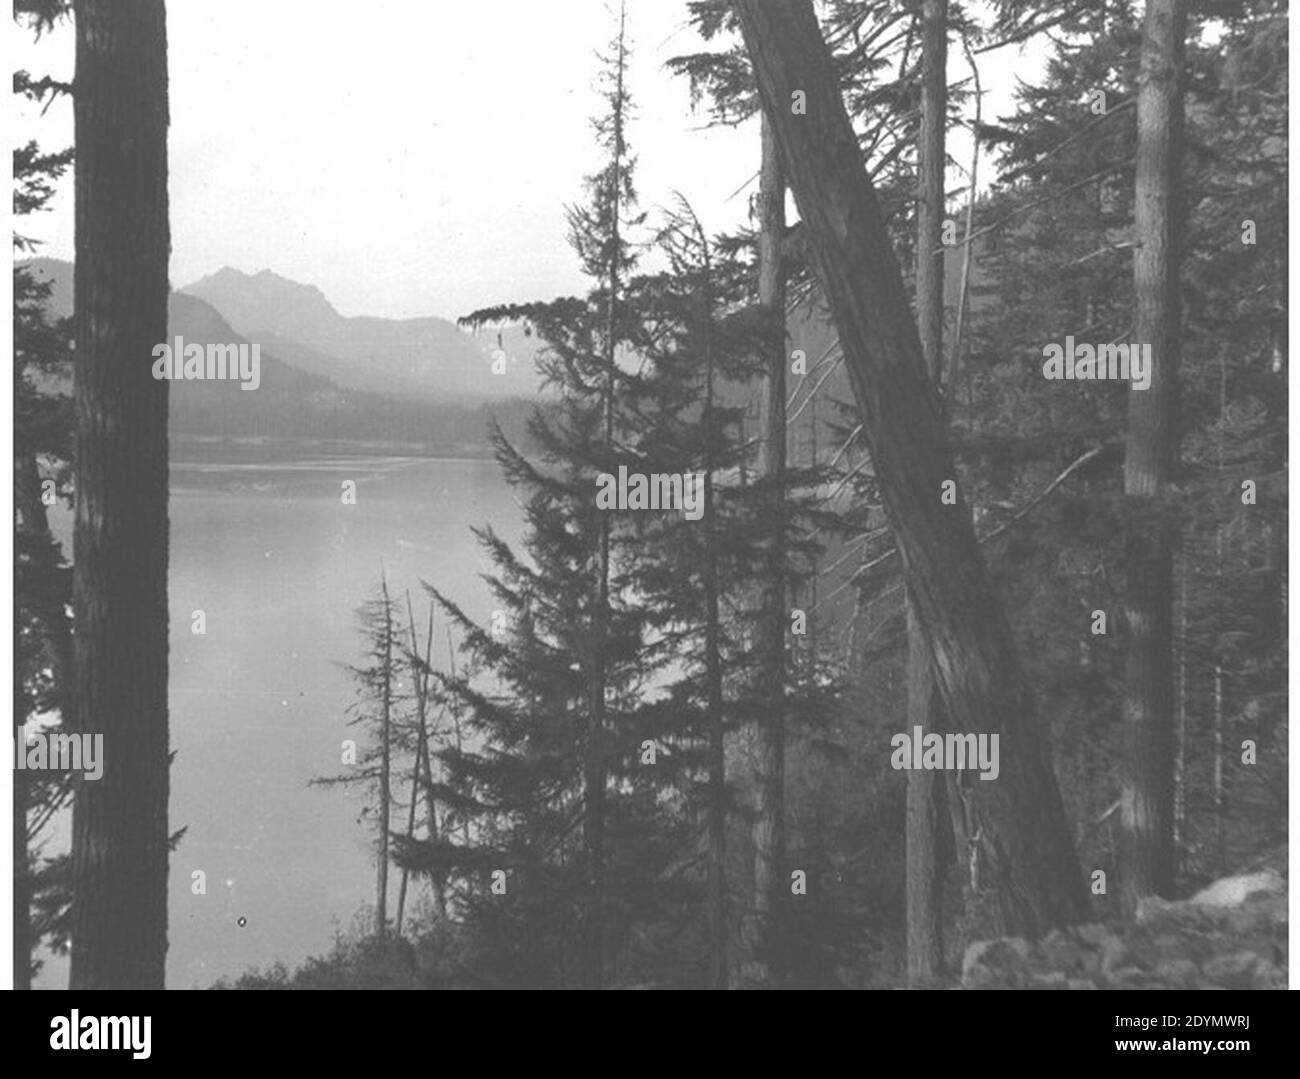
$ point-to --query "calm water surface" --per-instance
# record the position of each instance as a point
(279, 566)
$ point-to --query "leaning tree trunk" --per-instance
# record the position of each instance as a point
(1028, 840)
(1146, 846)
(768, 829)
(119, 829)
(925, 789)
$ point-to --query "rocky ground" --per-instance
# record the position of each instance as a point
(1231, 935)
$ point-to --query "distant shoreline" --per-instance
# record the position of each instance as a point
(354, 447)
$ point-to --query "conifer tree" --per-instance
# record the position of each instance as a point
(42, 581)
(693, 349)
(377, 711)
(572, 600)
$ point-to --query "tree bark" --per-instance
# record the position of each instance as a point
(925, 788)
(1180, 744)
(925, 821)
(930, 184)
(1220, 850)
(719, 974)
(385, 767)
(1146, 846)
(22, 879)
(119, 830)
(808, 668)
(1028, 840)
(768, 828)
(967, 251)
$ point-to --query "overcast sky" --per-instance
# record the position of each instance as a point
(414, 158)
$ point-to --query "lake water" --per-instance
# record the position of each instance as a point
(278, 564)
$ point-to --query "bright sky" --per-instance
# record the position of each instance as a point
(415, 158)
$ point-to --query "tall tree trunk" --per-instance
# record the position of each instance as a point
(768, 829)
(719, 977)
(930, 184)
(1146, 847)
(814, 569)
(925, 788)
(1028, 840)
(119, 828)
(967, 251)
(1220, 849)
(1180, 747)
(385, 761)
(22, 879)
(926, 805)
(595, 772)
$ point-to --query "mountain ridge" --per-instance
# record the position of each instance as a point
(290, 402)
(423, 357)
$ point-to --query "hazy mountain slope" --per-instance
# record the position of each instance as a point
(419, 357)
(289, 402)
(200, 323)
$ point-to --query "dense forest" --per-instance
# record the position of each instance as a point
(915, 510)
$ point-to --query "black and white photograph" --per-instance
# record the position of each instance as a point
(651, 494)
